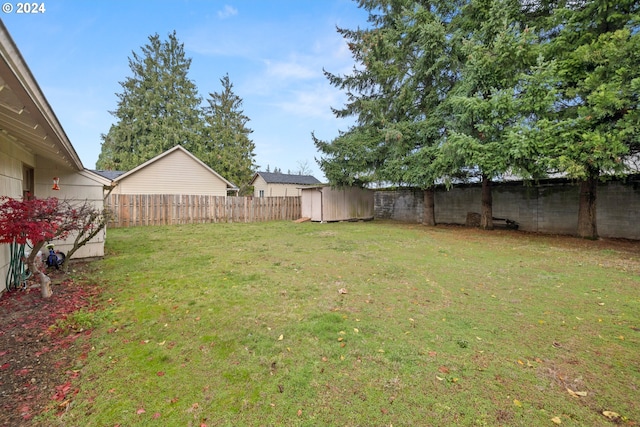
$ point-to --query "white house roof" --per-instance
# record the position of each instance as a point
(230, 185)
(25, 115)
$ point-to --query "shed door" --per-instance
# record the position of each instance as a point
(316, 206)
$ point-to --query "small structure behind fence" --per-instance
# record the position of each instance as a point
(130, 210)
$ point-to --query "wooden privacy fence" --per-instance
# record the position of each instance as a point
(130, 210)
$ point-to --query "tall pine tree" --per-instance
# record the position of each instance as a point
(158, 107)
(395, 95)
(594, 128)
(227, 147)
(498, 58)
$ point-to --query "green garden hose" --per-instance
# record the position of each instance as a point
(17, 274)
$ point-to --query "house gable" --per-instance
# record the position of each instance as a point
(268, 184)
(175, 171)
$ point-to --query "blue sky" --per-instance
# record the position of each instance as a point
(273, 50)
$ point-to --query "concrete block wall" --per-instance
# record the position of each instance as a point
(403, 205)
(548, 207)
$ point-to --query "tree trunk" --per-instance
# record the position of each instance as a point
(429, 215)
(486, 219)
(587, 224)
(83, 238)
(45, 285)
(45, 281)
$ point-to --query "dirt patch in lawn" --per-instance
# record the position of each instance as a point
(39, 351)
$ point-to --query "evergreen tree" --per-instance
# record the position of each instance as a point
(395, 96)
(227, 147)
(495, 98)
(158, 107)
(594, 126)
(490, 87)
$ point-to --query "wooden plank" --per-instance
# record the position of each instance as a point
(165, 209)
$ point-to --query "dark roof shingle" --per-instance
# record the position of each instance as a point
(285, 178)
(108, 174)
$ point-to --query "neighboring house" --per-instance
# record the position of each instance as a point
(269, 184)
(176, 171)
(34, 148)
(327, 204)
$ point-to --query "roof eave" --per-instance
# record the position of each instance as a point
(20, 80)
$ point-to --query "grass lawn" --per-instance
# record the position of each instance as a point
(360, 324)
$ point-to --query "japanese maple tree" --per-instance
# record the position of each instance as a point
(37, 221)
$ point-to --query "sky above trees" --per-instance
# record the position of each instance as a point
(274, 53)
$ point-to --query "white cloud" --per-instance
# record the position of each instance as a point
(314, 102)
(291, 70)
(227, 12)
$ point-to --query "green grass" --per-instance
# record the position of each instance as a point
(244, 324)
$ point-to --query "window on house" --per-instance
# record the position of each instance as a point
(261, 193)
(27, 182)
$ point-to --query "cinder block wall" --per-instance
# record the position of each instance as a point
(548, 207)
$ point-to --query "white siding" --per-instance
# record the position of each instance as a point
(260, 185)
(175, 173)
(275, 190)
(75, 188)
(12, 159)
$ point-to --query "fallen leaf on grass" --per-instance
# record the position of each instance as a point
(443, 369)
(517, 403)
(140, 411)
(576, 393)
(281, 337)
(556, 420)
(611, 415)
(156, 415)
(61, 391)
